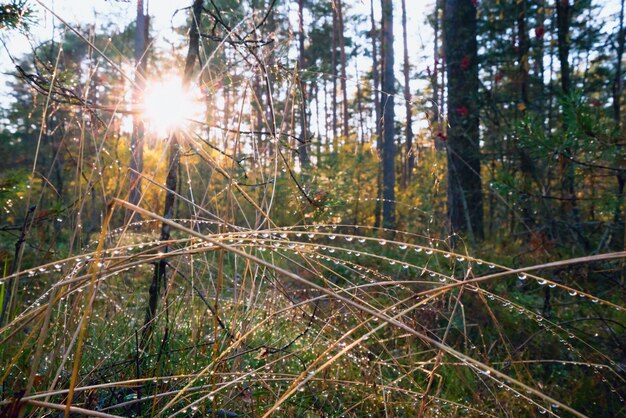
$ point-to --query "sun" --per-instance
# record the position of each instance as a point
(168, 105)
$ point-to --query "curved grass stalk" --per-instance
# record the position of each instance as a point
(392, 321)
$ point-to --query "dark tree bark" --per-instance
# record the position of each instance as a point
(258, 114)
(562, 27)
(618, 83)
(326, 119)
(387, 105)
(523, 50)
(171, 181)
(377, 114)
(315, 88)
(410, 155)
(303, 152)
(136, 142)
(342, 61)
(333, 64)
(619, 236)
(437, 98)
(465, 198)
(359, 103)
(526, 163)
(568, 191)
(539, 51)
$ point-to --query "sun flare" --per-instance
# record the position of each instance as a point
(168, 105)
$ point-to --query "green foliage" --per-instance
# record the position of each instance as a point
(16, 14)
(276, 282)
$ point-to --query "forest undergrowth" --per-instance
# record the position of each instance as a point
(273, 294)
(308, 320)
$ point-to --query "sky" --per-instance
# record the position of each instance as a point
(99, 12)
(122, 12)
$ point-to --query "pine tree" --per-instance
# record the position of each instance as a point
(465, 206)
(387, 105)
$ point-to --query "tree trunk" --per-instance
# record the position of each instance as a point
(619, 236)
(523, 50)
(465, 206)
(136, 142)
(159, 276)
(562, 24)
(303, 152)
(618, 84)
(259, 121)
(387, 104)
(437, 98)
(377, 115)
(526, 163)
(410, 155)
(318, 136)
(359, 104)
(327, 116)
(333, 71)
(342, 58)
(539, 64)
(566, 168)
